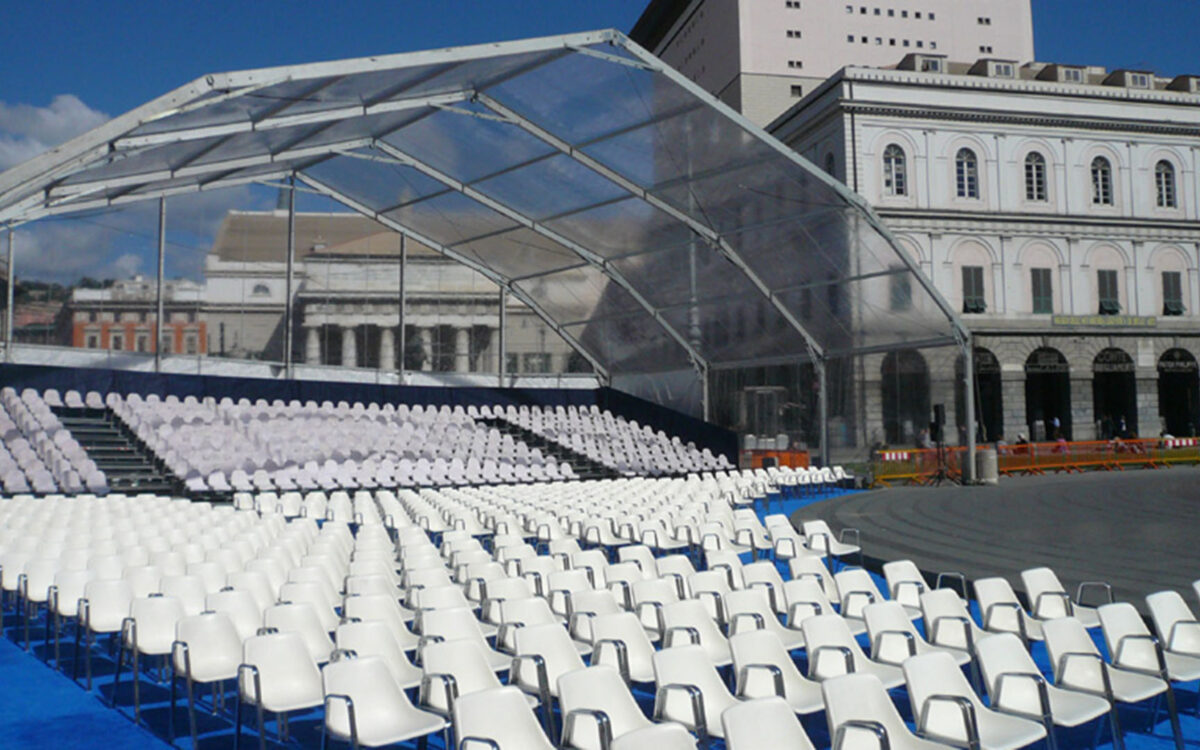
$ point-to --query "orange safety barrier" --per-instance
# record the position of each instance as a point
(915, 465)
(1106, 455)
(791, 459)
(920, 466)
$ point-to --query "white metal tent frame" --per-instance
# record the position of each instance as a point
(309, 122)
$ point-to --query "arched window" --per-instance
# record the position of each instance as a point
(1164, 184)
(1102, 193)
(1035, 177)
(261, 290)
(895, 173)
(966, 171)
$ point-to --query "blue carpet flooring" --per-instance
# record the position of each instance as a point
(41, 707)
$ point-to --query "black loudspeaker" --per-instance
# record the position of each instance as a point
(938, 423)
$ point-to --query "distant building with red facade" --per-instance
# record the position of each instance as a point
(122, 316)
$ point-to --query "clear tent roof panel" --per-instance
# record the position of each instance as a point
(580, 161)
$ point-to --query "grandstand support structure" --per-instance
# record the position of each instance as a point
(578, 173)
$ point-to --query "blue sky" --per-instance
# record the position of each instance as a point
(66, 66)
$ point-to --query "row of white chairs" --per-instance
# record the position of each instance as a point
(825, 634)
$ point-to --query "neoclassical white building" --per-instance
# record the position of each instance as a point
(1057, 208)
(347, 301)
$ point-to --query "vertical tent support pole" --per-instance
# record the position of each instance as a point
(8, 310)
(705, 402)
(288, 312)
(503, 358)
(158, 292)
(403, 341)
(969, 385)
(822, 410)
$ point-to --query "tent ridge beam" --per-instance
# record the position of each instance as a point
(590, 256)
(707, 233)
(494, 277)
(336, 114)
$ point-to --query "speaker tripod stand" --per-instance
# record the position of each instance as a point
(942, 474)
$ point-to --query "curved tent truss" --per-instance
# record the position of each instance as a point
(650, 225)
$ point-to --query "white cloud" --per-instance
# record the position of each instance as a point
(27, 130)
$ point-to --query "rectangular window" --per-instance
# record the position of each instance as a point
(797, 92)
(849, 37)
(512, 364)
(974, 300)
(1172, 293)
(1073, 75)
(537, 362)
(116, 341)
(164, 345)
(142, 342)
(190, 344)
(795, 63)
(793, 33)
(1043, 291)
(1110, 295)
(900, 289)
(849, 8)
(92, 341)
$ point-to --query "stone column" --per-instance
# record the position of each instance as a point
(1150, 422)
(387, 349)
(312, 345)
(427, 347)
(462, 349)
(349, 346)
(1083, 418)
(1012, 395)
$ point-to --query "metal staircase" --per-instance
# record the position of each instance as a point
(585, 468)
(128, 465)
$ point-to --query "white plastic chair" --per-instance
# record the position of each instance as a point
(620, 641)
(1048, 599)
(1078, 665)
(857, 705)
(949, 711)
(762, 723)
(597, 709)
(499, 719)
(1002, 612)
(301, 618)
(376, 638)
(277, 674)
(1016, 686)
(149, 630)
(763, 668)
(1177, 628)
(365, 706)
(102, 609)
(206, 649)
(690, 691)
(833, 650)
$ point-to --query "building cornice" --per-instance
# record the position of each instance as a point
(1102, 227)
(1039, 120)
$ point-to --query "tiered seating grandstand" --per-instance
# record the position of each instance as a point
(222, 446)
(680, 607)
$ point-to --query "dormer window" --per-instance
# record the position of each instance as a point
(931, 65)
(1072, 75)
(1139, 81)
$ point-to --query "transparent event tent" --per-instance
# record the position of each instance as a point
(672, 244)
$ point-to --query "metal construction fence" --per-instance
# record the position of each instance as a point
(923, 465)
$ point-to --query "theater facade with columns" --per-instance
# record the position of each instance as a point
(363, 298)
